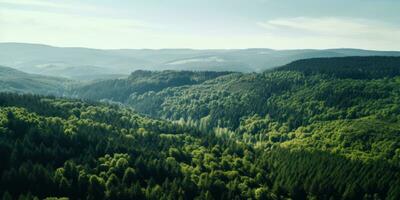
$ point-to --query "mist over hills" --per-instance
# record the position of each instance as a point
(89, 64)
(12, 80)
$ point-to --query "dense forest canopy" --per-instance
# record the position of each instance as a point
(325, 128)
(53, 147)
(141, 81)
(371, 67)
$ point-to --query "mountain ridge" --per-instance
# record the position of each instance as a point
(34, 58)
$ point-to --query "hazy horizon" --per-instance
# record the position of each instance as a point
(177, 24)
(184, 48)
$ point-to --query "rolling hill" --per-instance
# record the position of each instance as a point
(139, 82)
(84, 63)
(325, 128)
(12, 80)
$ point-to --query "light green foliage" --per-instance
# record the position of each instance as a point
(293, 133)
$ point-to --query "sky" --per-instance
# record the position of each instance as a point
(203, 24)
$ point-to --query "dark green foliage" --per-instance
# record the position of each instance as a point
(99, 151)
(142, 81)
(303, 174)
(294, 133)
(225, 100)
(348, 67)
(285, 99)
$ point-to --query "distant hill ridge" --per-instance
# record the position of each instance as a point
(356, 67)
(95, 63)
(12, 80)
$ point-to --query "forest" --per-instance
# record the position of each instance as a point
(323, 128)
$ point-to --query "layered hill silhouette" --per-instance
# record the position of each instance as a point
(84, 63)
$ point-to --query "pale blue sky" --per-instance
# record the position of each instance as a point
(278, 24)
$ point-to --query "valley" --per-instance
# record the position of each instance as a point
(320, 128)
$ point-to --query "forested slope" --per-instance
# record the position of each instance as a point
(313, 129)
(292, 104)
(12, 80)
(52, 147)
(141, 81)
(371, 67)
(251, 91)
(345, 105)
